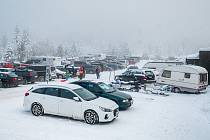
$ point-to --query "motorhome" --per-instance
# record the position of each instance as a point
(184, 78)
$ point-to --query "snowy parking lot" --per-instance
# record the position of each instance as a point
(174, 117)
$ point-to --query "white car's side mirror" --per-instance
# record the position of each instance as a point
(76, 99)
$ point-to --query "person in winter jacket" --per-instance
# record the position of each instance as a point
(97, 72)
(81, 72)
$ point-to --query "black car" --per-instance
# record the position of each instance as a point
(28, 75)
(101, 89)
(141, 76)
(9, 79)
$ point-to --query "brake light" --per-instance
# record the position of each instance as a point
(30, 74)
(26, 94)
(145, 78)
(14, 79)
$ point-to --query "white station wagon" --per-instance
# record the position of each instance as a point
(70, 101)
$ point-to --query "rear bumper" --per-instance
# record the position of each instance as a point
(202, 88)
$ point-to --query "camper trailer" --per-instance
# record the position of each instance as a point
(184, 78)
(159, 65)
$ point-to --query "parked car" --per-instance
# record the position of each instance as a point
(185, 78)
(131, 67)
(131, 76)
(104, 90)
(43, 72)
(70, 100)
(1, 83)
(140, 75)
(9, 79)
(150, 76)
(60, 74)
(28, 75)
(89, 69)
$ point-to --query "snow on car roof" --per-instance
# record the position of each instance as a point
(63, 85)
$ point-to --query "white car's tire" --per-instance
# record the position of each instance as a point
(91, 117)
(37, 109)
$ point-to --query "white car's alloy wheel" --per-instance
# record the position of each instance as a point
(36, 110)
(91, 117)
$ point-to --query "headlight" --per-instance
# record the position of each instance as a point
(125, 101)
(105, 109)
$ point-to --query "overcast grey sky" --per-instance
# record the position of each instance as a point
(141, 23)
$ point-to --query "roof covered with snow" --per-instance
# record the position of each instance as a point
(204, 49)
(187, 69)
(193, 56)
(61, 85)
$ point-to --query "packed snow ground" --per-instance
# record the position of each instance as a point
(152, 117)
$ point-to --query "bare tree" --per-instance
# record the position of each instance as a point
(4, 42)
(60, 51)
(74, 51)
(21, 48)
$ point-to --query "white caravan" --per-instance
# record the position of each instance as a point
(160, 65)
(184, 78)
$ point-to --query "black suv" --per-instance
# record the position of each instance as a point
(28, 75)
(141, 76)
(9, 79)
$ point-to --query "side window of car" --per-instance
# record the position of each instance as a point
(166, 74)
(97, 89)
(39, 90)
(91, 87)
(52, 91)
(83, 85)
(67, 94)
(187, 75)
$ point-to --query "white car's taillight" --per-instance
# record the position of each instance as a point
(26, 94)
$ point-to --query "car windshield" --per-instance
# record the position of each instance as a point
(137, 72)
(107, 88)
(12, 74)
(85, 94)
(148, 73)
(5, 70)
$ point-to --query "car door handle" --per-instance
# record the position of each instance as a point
(162, 81)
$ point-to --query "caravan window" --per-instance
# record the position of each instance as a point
(203, 77)
(187, 75)
(166, 74)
